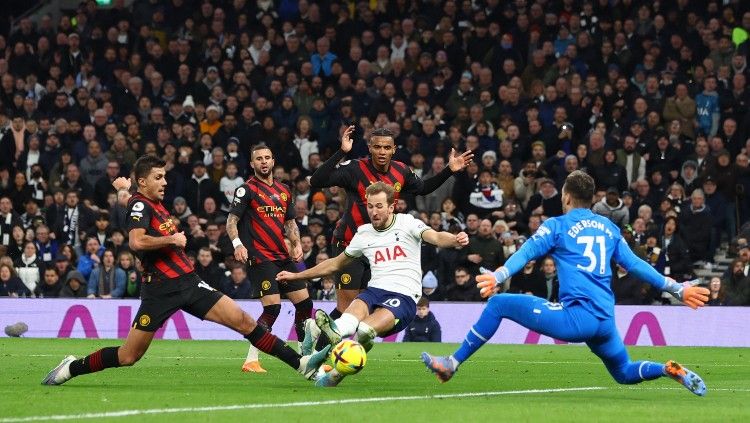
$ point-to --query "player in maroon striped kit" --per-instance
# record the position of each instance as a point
(170, 284)
(262, 214)
(355, 176)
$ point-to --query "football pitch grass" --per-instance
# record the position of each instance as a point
(189, 381)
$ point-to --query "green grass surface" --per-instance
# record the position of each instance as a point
(192, 375)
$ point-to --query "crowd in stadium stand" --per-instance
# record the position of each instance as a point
(649, 97)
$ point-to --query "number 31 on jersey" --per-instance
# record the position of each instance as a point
(589, 253)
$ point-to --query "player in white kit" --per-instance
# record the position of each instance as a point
(392, 244)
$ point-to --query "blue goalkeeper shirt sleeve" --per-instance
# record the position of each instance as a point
(625, 257)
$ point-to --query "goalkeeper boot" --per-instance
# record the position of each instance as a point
(329, 379)
(312, 333)
(686, 377)
(327, 326)
(442, 367)
(309, 364)
(61, 373)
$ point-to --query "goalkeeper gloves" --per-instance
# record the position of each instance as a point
(489, 282)
(687, 292)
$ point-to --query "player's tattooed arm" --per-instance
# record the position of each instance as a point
(240, 251)
(292, 233)
(232, 231)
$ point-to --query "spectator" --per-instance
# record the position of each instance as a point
(327, 291)
(51, 286)
(237, 286)
(94, 165)
(29, 267)
(612, 207)
(430, 287)
(106, 279)
(10, 284)
(717, 295)
(696, 222)
(200, 186)
(486, 198)
(529, 281)
(75, 286)
(90, 258)
(737, 283)
(551, 279)
(547, 202)
(72, 219)
(484, 250)
(628, 289)
(126, 262)
(463, 287)
(208, 270)
(424, 327)
(707, 106)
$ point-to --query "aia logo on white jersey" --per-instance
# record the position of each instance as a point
(388, 254)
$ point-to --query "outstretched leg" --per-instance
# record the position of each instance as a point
(573, 324)
(608, 346)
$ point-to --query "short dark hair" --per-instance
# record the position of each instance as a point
(423, 302)
(580, 185)
(382, 132)
(144, 164)
(260, 147)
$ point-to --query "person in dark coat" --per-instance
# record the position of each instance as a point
(628, 289)
(50, 286)
(237, 287)
(208, 270)
(75, 286)
(424, 327)
(529, 281)
(696, 222)
(200, 186)
(464, 287)
(674, 258)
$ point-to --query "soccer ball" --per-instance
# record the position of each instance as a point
(349, 357)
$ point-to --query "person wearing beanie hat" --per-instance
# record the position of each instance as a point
(430, 287)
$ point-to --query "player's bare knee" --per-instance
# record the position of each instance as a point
(129, 358)
(246, 323)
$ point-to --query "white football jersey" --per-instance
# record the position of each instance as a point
(394, 254)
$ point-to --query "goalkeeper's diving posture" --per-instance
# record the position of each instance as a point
(582, 244)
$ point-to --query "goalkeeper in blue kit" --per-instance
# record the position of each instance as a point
(582, 244)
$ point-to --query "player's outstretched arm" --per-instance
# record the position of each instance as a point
(445, 239)
(691, 296)
(456, 162)
(139, 241)
(324, 268)
(323, 175)
(292, 232)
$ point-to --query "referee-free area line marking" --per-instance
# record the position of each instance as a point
(157, 411)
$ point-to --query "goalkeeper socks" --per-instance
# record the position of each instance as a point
(270, 344)
(94, 362)
(323, 339)
(482, 330)
(346, 325)
(302, 312)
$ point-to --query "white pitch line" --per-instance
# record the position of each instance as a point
(154, 411)
(404, 360)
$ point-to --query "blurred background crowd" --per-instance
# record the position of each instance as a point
(649, 97)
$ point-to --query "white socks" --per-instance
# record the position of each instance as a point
(252, 354)
(346, 325)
